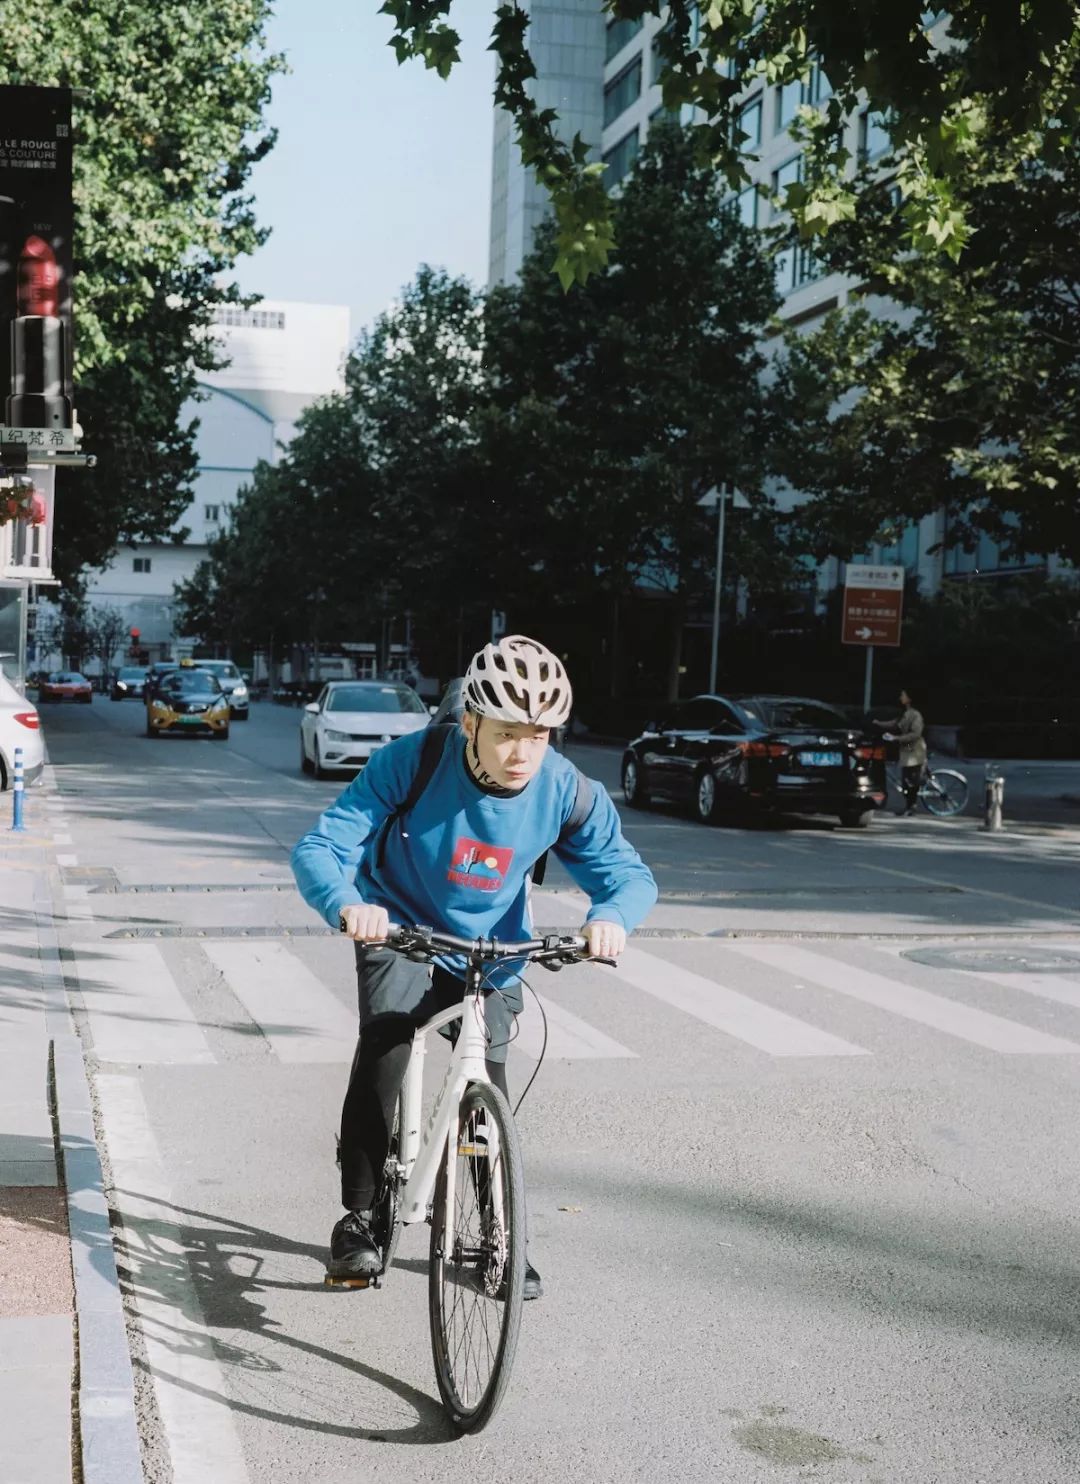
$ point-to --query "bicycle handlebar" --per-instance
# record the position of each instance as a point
(423, 943)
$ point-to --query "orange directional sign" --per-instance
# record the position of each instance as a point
(873, 605)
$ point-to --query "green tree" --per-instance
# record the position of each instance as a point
(619, 408)
(963, 394)
(168, 123)
(1005, 71)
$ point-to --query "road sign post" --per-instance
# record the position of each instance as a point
(873, 613)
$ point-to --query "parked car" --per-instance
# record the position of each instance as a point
(128, 683)
(354, 718)
(65, 685)
(187, 699)
(452, 708)
(784, 753)
(19, 727)
(233, 684)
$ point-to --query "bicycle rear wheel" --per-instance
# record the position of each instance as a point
(944, 793)
(477, 1273)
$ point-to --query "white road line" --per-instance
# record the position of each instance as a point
(63, 839)
(954, 1018)
(302, 1020)
(136, 1011)
(67, 860)
(1047, 986)
(978, 891)
(736, 1014)
(568, 1037)
(189, 1384)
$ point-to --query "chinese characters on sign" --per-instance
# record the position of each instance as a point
(873, 605)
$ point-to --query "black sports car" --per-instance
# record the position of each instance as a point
(782, 753)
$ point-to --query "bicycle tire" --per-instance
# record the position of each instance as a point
(949, 796)
(477, 1276)
(387, 1211)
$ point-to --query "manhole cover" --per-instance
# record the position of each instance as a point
(1029, 959)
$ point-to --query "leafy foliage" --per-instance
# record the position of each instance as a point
(1002, 71)
(960, 391)
(168, 112)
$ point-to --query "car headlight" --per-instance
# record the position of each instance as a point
(239, 692)
(337, 736)
(121, 685)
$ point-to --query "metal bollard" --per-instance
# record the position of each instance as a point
(17, 791)
(993, 800)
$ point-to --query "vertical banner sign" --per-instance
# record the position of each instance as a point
(36, 328)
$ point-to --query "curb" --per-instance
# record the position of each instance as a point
(106, 1423)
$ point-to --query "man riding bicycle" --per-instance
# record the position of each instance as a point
(459, 860)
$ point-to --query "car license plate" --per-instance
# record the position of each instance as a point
(193, 721)
(821, 759)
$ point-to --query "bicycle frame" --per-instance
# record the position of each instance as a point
(422, 1148)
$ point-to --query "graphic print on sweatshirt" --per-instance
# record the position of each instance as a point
(483, 867)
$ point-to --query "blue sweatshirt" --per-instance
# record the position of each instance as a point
(458, 861)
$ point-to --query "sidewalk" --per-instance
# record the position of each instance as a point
(66, 1395)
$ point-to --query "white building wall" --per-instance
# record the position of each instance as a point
(281, 357)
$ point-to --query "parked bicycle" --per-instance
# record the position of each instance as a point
(461, 1169)
(943, 791)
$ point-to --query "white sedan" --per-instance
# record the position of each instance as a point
(354, 718)
(19, 727)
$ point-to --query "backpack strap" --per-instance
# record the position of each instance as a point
(436, 740)
(584, 798)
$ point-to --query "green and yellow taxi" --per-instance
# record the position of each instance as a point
(189, 700)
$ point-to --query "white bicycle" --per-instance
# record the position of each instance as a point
(462, 1171)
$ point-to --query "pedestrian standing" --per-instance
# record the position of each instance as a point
(908, 729)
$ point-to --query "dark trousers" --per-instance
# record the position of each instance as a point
(395, 996)
(911, 778)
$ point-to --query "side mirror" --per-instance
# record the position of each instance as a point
(313, 707)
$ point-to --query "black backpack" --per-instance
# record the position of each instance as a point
(436, 741)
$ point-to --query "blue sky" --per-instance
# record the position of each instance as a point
(377, 168)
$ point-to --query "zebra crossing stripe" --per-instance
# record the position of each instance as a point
(302, 1019)
(952, 1017)
(735, 1014)
(135, 1010)
(1046, 986)
(568, 1037)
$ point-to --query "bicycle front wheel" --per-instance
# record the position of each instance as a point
(477, 1274)
(944, 793)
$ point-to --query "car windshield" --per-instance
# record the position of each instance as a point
(385, 698)
(224, 668)
(191, 682)
(67, 677)
(132, 674)
(780, 712)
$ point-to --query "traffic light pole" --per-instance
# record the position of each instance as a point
(868, 680)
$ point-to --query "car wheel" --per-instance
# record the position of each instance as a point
(86, 700)
(305, 761)
(152, 731)
(633, 784)
(857, 819)
(222, 736)
(240, 715)
(705, 798)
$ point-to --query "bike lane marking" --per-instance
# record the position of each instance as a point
(301, 1019)
(953, 1017)
(135, 1010)
(189, 1384)
(737, 1015)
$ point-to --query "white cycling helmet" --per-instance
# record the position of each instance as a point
(518, 680)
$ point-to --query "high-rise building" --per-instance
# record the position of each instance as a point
(566, 41)
(626, 91)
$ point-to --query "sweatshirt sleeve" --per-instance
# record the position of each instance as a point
(606, 866)
(325, 860)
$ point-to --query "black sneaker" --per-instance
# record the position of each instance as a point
(354, 1252)
(534, 1288)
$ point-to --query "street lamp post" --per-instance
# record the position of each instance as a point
(721, 501)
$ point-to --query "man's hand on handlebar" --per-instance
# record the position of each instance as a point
(365, 924)
(605, 939)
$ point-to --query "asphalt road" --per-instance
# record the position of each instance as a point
(801, 1172)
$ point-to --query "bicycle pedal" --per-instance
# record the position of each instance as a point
(357, 1282)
